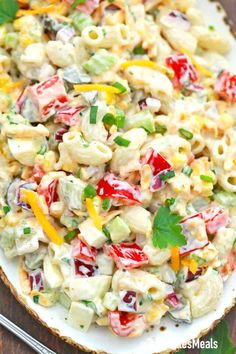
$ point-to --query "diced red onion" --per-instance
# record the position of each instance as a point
(65, 34)
(128, 301)
(191, 276)
(36, 279)
(176, 19)
(59, 134)
(153, 104)
(85, 270)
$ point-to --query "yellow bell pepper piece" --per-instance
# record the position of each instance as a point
(30, 197)
(175, 260)
(93, 214)
(149, 64)
(97, 87)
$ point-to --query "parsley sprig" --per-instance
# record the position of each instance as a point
(166, 229)
(8, 10)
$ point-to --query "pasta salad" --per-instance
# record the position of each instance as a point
(118, 159)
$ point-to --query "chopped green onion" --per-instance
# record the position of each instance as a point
(68, 237)
(161, 128)
(6, 209)
(169, 202)
(93, 114)
(75, 3)
(211, 28)
(120, 120)
(106, 233)
(27, 230)
(187, 170)
(42, 150)
(78, 173)
(167, 175)
(106, 203)
(36, 299)
(110, 1)
(120, 87)
(138, 50)
(109, 119)
(121, 141)
(185, 134)
(205, 178)
(89, 191)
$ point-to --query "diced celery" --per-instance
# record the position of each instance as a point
(64, 300)
(143, 119)
(7, 241)
(225, 198)
(101, 61)
(11, 40)
(118, 229)
(80, 20)
(5, 102)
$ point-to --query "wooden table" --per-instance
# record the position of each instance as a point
(9, 307)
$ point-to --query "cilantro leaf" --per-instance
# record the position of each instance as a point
(166, 229)
(221, 336)
(8, 9)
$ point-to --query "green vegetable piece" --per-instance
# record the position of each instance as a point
(81, 21)
(6, 209)
(68, 237)
(121, 141)
(205, 178)
(169, 202)
(185, 134)
(8, 10)
(11, 40)
(120, 87)
(118, 229)
(89, 191)
(100, 62)
(36, 299)
(187, 170)
(143, 119)
(139, 51)
(27, 230)
(167, 175)
(225, 198)
(166, 229)
(75, 3)
(106, 204)
(161, 128)
(93, 114)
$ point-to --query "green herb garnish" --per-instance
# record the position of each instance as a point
(8, 10)
(187, 170)
(139, 51)
(121, 141)
(167, 175)
(160, 128)
(42, 150)
(169, 202)
(89, 191)
(75, 3)
(93, 114)
(27, 230)
(68, 237)
(211, 28)
(106, 203)
(120, 87)
(6, 209)
(186, 134)
(206, 178)
(166, 229)
(36, 299)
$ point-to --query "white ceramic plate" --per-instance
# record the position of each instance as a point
(99, 339)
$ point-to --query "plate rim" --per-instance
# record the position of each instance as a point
(54, 331)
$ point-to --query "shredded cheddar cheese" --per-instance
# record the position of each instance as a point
(148, 64)
(93, 214)
(38, 11)
(97, 87)
(175, 260)
(31, 198)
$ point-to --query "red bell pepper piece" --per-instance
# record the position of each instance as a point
(185, 73)
(112, 187)
(215, 218)
(84, 270)
(126, 255)
(48, 96)
(126, 324)
(49, 191)
(37, 173)
(83, 252)
(68, 115)
(225, 86)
